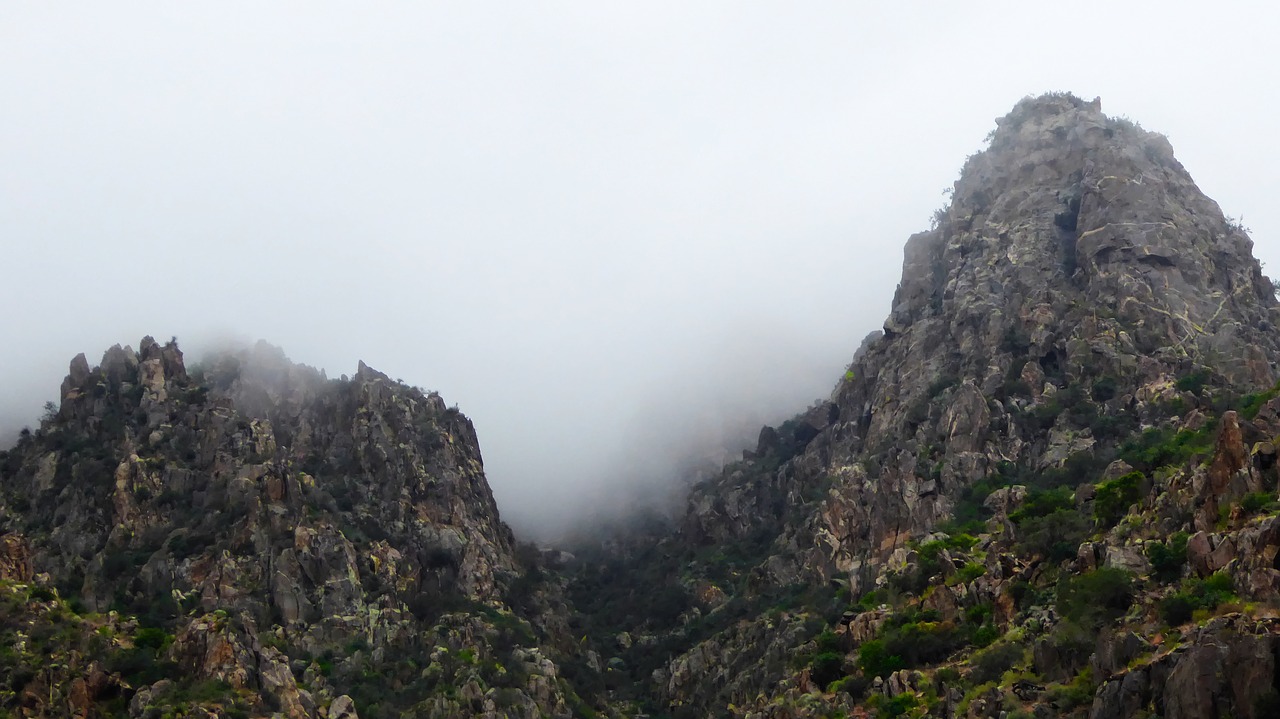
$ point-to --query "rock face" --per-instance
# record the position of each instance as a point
(1078, 271)
(1048, 389)
(285, 541)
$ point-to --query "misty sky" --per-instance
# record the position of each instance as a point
(609, 232)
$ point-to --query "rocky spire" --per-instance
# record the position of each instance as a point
(1076, 275)
(1057, 365)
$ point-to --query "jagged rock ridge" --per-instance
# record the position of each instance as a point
(284, 540)
(1060, 356)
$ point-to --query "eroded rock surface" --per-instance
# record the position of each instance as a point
(259, 519)
(1076, 369)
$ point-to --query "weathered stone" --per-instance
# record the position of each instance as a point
(343, 708)
(1229, 457)
(15, 558)
(1221, 673)
(1199, 553)
(1129, 558)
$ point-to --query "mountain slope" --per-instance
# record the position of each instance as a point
(253, 536)
(1075, 276)
(1048, 402)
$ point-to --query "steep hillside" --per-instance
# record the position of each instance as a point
(1068, 411)
(251, 537)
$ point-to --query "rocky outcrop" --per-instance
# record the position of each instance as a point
(1227, 668)
(737, 663)
(266, 518)
(1077, 271)
(1051, 379)
(1075, 246)
(15, 558)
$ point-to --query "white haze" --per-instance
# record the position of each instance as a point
(611, 233)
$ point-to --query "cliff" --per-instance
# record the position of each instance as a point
(250, 537)
(1069, 402)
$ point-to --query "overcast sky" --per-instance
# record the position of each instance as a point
(604, 230)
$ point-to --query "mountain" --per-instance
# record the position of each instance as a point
(1069, 411)
(1047, 488)
(250, 537)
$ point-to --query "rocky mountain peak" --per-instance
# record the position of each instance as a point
(1069, 209)
(257, 517)
(1077, 267)
(1077, 263)
(1076, 320)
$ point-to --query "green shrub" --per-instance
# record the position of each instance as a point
(1177, 609)
(855, 686)
(1095, 598)
(961, 541)
(884, 707)
(873, 599)
(924, 642)
(1167, 560)
(984, 635)
(947, 676)
(1193, 382)
(979, 613)
(915, 578)
(1015, 341)
(1218, 588)
(969, 514)
(989, 664)
(1256, 501)
(507, 698)
(1015, 387)
(209, 691)
(1022, 592)
(1073, 644)
(1043, 416)
(899, 705)
(1160, 447)
(876, 661)
(826, 668)
(1104, 389)
(1114, 497)
(942, 384)
(967, 573)
(1207, 594)
(918, 412)
(151, 637)
(1056, 536)
(1252, 403)
(1076, 693)
(917, 638)
(1042, 503)
(827, 641)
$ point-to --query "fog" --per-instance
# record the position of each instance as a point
(617, 236)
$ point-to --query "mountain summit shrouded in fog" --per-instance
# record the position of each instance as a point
(1048, 487)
